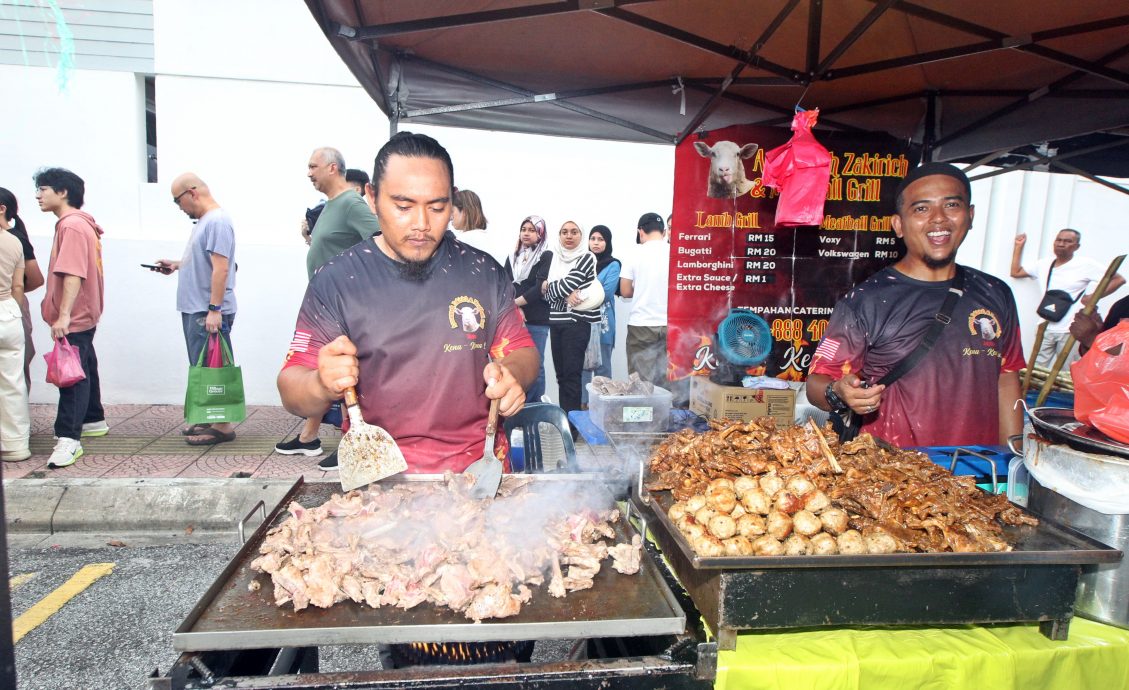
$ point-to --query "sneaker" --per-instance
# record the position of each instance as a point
(296, 446)
(15, 455)
(67, 450)
(99, 428)
(330, 462)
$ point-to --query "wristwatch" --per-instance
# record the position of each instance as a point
(215, 307)
(838, 406)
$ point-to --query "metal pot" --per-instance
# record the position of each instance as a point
(1103, 591)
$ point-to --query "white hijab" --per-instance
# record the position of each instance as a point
(564, 260)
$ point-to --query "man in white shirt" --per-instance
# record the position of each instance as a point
(644, 280)
(1067, 272)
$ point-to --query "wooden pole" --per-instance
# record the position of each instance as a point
(1087, 310)
(1039, 333)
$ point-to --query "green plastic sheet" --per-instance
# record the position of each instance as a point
(999, 657)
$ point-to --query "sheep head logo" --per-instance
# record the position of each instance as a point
(727, 169)
(467, 315)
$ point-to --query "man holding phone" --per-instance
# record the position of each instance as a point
(205, 293)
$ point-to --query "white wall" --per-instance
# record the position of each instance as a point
(243, 104)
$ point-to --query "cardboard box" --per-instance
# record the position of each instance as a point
(735, 402)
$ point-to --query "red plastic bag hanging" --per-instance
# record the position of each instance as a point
(801, 171)
(64, 367)
(215, 352)
(1101, 384)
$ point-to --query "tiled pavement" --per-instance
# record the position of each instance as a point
(145, 441)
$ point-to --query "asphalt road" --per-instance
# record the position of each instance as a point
(114, 633)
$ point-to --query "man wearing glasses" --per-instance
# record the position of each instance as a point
(73, 306)
(205, 292)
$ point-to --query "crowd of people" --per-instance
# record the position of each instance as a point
(560, 291)
(483, 314)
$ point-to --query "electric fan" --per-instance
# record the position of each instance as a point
(743, 340)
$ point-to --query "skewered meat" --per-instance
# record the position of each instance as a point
(413, 543)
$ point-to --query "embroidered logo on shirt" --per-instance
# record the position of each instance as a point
(467, 315)
(984, 324)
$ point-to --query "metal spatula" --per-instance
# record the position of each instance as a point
(367, 453)
(487, 472)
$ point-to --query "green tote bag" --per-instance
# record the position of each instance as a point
(215, 394)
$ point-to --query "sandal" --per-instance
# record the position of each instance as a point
(194, 430)
(210, 437)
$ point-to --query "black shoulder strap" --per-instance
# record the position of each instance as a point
(941, 319)
(1050, 270)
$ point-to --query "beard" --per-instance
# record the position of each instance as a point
(414, 271)
(943, 262)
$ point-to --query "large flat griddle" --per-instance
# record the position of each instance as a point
(229, 616)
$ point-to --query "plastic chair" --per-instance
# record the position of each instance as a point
(529, 420)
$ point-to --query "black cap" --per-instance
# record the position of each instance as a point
(651, 219)
(934, 168)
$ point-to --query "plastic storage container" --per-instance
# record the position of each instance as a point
(646, 413)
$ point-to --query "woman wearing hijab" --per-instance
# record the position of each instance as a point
(607, 272)
(529, 267)
(572, 270)
(15, 420)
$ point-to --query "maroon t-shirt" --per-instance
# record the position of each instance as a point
(422, 345)
(951, 396)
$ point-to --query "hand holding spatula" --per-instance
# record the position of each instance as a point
(367, 453)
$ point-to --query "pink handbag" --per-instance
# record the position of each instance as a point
(64, 369)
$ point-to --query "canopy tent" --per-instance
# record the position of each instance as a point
(1004, 82)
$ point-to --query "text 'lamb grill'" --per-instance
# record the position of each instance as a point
(430, 542)
(895, 500)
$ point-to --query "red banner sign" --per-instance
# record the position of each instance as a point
(727, 251)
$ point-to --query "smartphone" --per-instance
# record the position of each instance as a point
(153, 267)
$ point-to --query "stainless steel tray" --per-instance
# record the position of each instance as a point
(228, 616)
(1046, 543)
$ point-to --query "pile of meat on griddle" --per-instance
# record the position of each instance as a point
(415, 542)
(896, 500)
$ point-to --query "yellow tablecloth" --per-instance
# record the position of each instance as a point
(977, 658)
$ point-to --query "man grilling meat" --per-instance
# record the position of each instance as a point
(389, 316)
(963, 391)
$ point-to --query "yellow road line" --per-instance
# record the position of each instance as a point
(50, 604)
(20, 579)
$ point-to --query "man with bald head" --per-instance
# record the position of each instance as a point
(205, 293)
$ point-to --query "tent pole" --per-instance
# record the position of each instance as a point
(929, 137)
